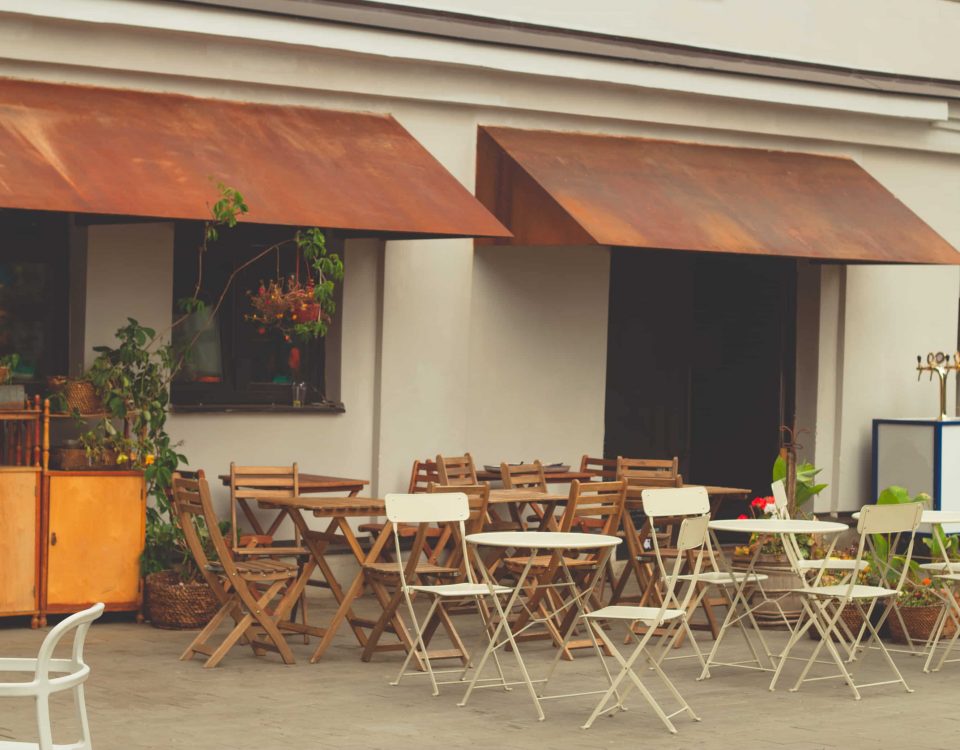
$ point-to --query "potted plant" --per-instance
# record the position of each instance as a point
(772, 560)
(8, 364)
(132, 380)
(918, 610)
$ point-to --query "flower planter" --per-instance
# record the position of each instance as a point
(851, 617)
(172, 604)
(919, 621)
(780, 580)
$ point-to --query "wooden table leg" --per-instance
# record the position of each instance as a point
(344, 611)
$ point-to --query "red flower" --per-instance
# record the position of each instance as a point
(769, 500)
(758, 502)
(742, 516)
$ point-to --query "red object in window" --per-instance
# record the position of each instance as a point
(294, 359)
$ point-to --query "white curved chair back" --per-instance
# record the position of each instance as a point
(675, 501)
(80, 622)
(71, 674)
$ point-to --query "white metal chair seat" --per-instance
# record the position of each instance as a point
(723, 578)
(461, 589)
(647, 615)
(840, 591)
(832, 563)
(941, 567)
(72, 673)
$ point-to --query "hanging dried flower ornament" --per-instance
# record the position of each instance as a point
(287, 306)
(301, 310)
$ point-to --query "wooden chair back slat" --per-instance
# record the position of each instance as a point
(641, 473)
(604, 469)
(602, 500)
(523, 476)
(260, 483)
(456, 470)
(423, 473)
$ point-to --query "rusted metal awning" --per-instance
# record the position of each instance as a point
(553, 188)
(110, 151)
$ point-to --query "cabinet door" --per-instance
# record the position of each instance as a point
(94, 538)
(19, 532)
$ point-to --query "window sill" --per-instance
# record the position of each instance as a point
(324, 408)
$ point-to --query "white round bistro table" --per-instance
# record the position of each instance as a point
(553, 543)
(765, 527)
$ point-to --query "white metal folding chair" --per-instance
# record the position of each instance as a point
(73, 673)
(823, 605)
(691, 539)
(694, 501)
(811, 571)
(425, 509)
(946, 572)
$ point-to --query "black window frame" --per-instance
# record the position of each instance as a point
(232, 393)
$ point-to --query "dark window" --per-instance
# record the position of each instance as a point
(233, 360)
(34, 293)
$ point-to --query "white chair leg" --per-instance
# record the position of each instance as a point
(419, 641)
(44, 729)
(80, 704)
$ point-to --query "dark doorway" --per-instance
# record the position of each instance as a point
(700, 361)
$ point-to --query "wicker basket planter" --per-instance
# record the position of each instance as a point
(172, 604)
(780, 580)
(919, 621)
(79, 395)
(852, 619)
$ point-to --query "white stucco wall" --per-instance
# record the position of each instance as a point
(904, 36)
(538, 352)
(417, 376)
(129, 275)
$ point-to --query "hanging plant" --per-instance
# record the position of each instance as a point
(301, 310)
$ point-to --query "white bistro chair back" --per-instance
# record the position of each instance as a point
(70, 675)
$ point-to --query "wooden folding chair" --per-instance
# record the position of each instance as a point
(603, 469)
(640, 474)
(525, 477)
(250, 484)
(241, 598)
(599, 500)
(424, 474)
(456, 470)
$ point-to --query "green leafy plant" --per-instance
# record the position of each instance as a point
(807, 486)
(133, 381)
(885, 564)
(8, 363)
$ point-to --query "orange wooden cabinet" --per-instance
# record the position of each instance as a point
(94, 524)
(20, 541)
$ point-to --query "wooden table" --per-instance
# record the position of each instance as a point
(338, 510)
(311, 484)
(552, 477)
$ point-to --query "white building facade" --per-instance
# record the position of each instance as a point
(447, 346)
